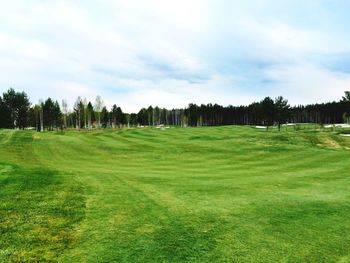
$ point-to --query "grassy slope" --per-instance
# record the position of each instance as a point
(178, 195)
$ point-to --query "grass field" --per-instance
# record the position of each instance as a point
(221, 194)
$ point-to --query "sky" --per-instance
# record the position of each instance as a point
(169, 53)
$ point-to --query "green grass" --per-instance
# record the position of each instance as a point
(221, 194)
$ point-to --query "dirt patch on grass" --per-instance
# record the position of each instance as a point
(331, 143)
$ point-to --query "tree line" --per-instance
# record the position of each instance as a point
(16, 111)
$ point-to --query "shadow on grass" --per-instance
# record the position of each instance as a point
(38, 213)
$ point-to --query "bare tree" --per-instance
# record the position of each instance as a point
(41, 103)
(98, 108)
(85, 103)
(77, 108)
(65, 112)
(127, 116)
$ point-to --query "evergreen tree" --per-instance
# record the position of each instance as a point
(15, 107)
(282, 111)
(5, 116)
(104, 118)
(52, 114)
(267, 111)
(90, 115)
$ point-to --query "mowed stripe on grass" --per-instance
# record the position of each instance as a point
(216, 194)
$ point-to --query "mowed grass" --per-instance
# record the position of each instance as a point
(219, 194)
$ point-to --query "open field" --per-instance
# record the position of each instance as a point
(220, 194)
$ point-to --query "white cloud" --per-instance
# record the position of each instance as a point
(307, 83)
(135, 53)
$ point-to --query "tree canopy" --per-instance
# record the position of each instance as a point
(14, 109)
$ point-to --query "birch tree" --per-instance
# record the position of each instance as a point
(41, 103)
(65, 112)
(85, 103)
(98, 108)
(77, 109)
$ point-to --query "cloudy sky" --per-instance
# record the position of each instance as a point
(168, 53)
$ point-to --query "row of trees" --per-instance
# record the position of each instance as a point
(86, 115)
(16, 111)
(50, 115)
